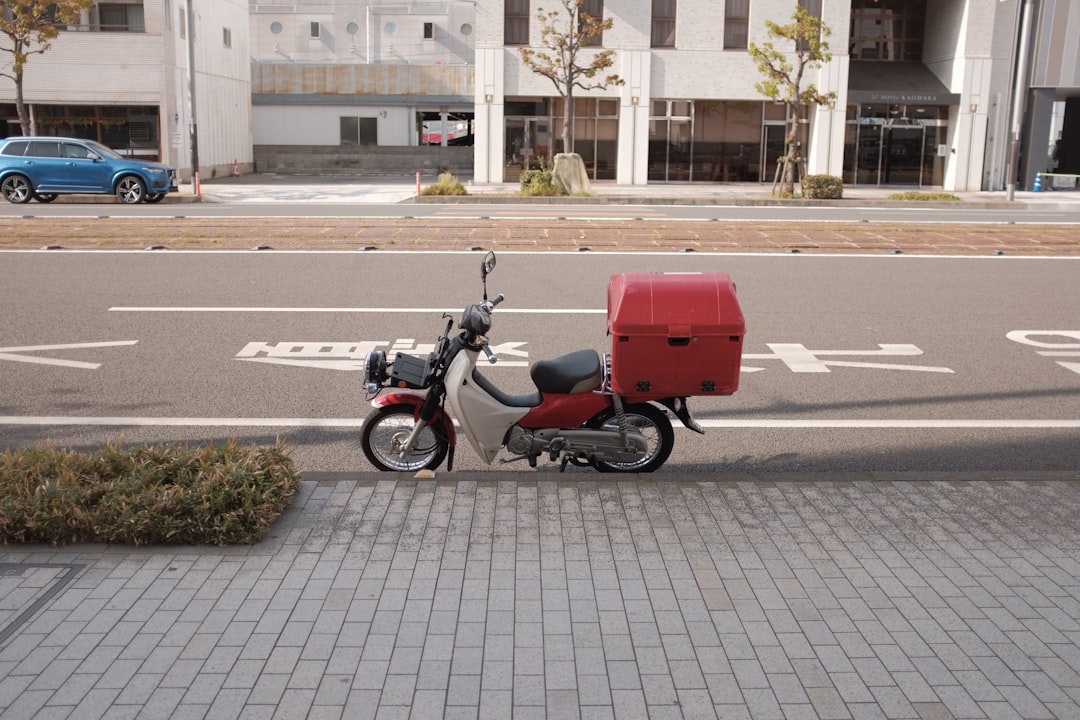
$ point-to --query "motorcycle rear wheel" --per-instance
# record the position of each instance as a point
(387, 429)
(650, 421)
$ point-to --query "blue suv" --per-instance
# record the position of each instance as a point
(44, 167)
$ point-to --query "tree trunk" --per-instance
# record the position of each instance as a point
(791, 154)
(20, 104)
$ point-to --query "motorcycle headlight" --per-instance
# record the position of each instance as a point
(476, 320)
(375, 374)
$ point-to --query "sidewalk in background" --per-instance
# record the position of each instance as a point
(331, 188)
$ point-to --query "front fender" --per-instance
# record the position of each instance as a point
(417, 401)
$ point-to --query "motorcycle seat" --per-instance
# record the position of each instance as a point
(575, 372)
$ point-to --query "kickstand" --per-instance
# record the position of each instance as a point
(562, 465)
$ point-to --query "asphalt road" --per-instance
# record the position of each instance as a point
(852, 364)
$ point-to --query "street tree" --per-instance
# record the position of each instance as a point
(784, 73)
(28, 28)
(568, 61)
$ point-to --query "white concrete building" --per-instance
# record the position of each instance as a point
(361, 81)
(924, 89)
(921, 87)
(121, 76)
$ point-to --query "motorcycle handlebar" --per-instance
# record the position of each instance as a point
(490, 304)
(490, 355)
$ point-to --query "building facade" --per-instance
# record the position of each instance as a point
(925, 89)
(370, 85)
(120, 75)
(916, 85)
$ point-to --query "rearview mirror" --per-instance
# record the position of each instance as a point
(489, 264)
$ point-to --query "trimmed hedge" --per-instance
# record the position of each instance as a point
(918, 196)
(170, 494)
(539, 182)
(822, 187)
(447, 184)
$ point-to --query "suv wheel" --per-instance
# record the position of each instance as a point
(130, 190)
(17, 189)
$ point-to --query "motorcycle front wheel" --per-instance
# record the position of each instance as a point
(385, 432)
(650, 421)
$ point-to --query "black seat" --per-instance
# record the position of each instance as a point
(523, 401)
(576, 372)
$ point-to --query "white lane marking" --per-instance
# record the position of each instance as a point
(381, 311)
(771, 254)
(9, 353)
(840, 423)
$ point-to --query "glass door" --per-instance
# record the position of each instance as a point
(901, 156)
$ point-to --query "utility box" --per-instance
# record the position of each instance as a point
(674, 334)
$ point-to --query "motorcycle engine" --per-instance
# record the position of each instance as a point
(520, 441)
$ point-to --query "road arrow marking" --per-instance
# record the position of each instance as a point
(10, 353)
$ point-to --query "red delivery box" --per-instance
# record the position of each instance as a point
(674, 334)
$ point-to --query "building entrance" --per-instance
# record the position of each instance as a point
(887, 146)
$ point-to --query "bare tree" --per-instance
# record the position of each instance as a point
(567, 62)
(783, 78)
(29, 27)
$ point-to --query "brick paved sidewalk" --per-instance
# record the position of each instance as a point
(869, 597)
(602, 236)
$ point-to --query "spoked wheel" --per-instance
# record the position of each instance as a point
(45, 197)
(385, 432)
(648, 420)
(17, 189)
(130, 190)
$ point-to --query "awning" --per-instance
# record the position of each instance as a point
(897, 83)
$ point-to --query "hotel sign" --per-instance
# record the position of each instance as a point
(904, 98)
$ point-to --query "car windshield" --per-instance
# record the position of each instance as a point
(103, 151)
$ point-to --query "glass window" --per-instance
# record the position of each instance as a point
(117, 17)
(594, 9)
(359, 131)
(736, 24)
(17, 147)
(516, 22)
(887, 30)
(813, 7)
(43, 148)
(78, 152)
(663, 23)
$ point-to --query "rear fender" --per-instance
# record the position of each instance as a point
(441, 419)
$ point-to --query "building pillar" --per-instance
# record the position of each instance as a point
(1037, 140)
(490, 112)
(634, 96)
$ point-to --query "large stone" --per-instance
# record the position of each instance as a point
(569, 174)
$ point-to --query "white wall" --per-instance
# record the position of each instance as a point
(321, 124)
(365, 32)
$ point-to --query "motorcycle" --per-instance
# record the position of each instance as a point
(576, 414)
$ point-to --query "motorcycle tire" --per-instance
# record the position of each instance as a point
(389, 427)
(652, 422)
